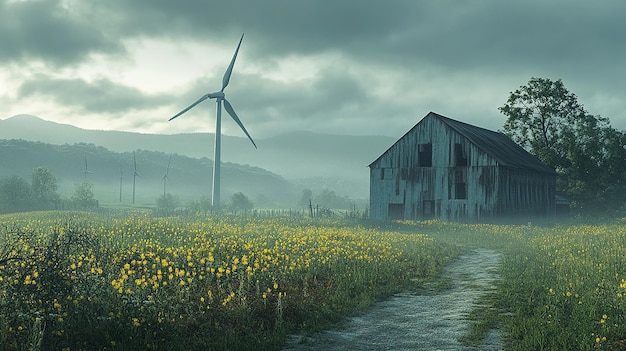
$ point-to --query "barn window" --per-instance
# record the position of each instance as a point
(425, 155)
(460, 155)
(382, 173)
(460, 191)
(457, 184)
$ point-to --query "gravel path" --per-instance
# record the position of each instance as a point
(424, 321)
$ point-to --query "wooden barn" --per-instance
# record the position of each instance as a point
(453, 171)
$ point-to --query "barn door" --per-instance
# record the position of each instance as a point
(396, 211)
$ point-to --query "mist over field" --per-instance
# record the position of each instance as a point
(272, 176)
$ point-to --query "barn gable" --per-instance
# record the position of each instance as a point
(446, 169)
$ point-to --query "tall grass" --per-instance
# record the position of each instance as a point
(83, 281)
(562, 287)
(87, 281)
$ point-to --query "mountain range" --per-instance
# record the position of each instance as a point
(300, 159)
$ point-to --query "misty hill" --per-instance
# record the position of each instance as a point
(312, 160)
(189, 178)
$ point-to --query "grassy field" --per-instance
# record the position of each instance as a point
(562, 287)
(83, 281)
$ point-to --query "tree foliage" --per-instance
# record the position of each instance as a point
(588, 155)
(167, 203)
(202, 205)
(44, 188)
(83, 197)
(15, 195)
(240, 202)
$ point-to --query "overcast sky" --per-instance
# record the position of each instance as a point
(357, 67)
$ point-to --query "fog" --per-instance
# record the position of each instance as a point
(274, 175)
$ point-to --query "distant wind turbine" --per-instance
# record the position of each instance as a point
(121, 179)
(86, 171)
(219, 97)
(135, 175)
(165, 177)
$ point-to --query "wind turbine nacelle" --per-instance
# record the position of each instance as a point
(216, 95)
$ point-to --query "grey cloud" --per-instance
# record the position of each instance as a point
(563, 35)
(333, 97)
(498, 45)
(44, 30)
(102, 96)
(278, 27)
(458, 34)
(578, 41)
(320, 98)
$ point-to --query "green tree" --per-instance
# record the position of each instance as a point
(540, 116)
(83, 197)
(586, 152)
(167, 203)
(44, 188)
(240, 202)
(203, 205)
(15, 195)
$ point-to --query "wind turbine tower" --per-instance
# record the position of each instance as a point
(121, 179)
(86, 171)
(165, 177)
(220, 97)
(135, 175)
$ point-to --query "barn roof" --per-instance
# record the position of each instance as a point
(498, 145)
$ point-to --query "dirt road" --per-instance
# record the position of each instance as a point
(432, 319)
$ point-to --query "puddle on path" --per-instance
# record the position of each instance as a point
(429, 321)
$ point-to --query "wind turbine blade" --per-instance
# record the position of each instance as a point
(231, 112)
(229, 70)
(191, 106)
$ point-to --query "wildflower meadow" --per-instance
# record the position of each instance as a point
(83, 281)
(562, 287)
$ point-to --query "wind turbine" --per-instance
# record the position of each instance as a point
(86, 171)
(164, 179)
(220, 97)
(121, 179)
(135, 175)
(167, 171)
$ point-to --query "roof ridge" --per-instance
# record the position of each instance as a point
(499, 146)
(495, 147)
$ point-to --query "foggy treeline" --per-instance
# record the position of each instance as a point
(83, 176)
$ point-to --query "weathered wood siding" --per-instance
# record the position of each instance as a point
(459, 183)
(527, 194)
